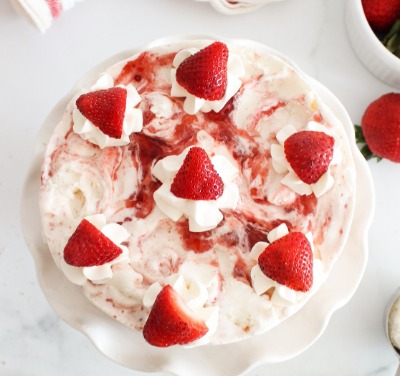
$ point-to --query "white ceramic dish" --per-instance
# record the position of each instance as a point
(237, 7)
(371, 52)
(127, 348)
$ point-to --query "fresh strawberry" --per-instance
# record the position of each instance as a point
(381, 14)
(379, 134)
(289, 261)
(309, 153)
(204, 74)
(391, 40)
(380, 128)
(197, 178)
(105, 109)
(172, 322)
(88, 246)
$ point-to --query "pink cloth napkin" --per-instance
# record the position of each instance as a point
(41, 13)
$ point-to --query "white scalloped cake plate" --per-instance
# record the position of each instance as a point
(127, 347)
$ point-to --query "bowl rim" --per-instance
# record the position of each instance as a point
(390, 58)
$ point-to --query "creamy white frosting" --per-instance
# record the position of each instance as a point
(133, 118)
(102, 273)
(80, 179)
(282, 166)
(282, 295)
(197, 285)
(203, 215)
(193, 104)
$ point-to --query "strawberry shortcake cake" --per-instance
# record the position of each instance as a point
(199, 192)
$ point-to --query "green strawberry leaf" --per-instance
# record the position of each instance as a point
(364, 149)
(359, 135)
(392, 39)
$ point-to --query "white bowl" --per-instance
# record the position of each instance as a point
(125, 347)
(369, 49)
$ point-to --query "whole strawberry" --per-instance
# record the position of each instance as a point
(381, 14)
(380, 126)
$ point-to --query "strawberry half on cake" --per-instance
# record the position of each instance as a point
(199, 192)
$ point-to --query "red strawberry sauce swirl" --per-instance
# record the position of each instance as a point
(147, 148)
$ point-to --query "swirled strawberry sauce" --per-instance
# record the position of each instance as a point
(245, 145)
(80, 179)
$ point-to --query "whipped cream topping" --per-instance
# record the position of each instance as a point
(197, 285)
(282, 166)
(102, 273)
(133, 118)
(193, 104)
(282, 295)
(202, 215)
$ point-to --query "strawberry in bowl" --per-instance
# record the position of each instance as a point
(373, 27)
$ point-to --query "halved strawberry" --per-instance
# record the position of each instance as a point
(204, 74)
(172, 322)
(309, 153)
(289, 261)
(105, 109)
(197, 178)
(88, 246)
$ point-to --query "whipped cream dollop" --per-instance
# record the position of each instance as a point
(282, 295)
(193, 104)
(203, 215)
(102, 273)
(133, 118)
(198, 286)
(282, 166)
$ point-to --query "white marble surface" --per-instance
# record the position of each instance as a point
(36, 70)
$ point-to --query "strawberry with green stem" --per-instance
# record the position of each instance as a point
(379, 133)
